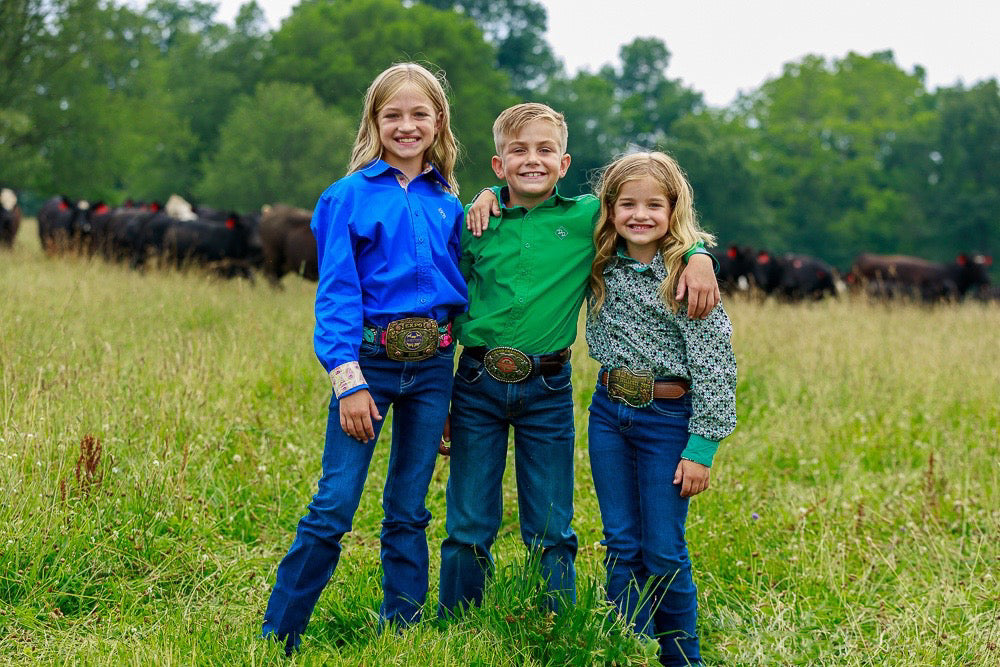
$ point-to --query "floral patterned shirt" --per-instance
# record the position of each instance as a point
(634, 328)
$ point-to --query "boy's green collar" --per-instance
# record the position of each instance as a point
(501, 192)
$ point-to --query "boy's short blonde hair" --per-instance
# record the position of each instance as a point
(511, 120)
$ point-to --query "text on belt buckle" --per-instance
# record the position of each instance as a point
(507, 364)
(633, 388)
(411, 339)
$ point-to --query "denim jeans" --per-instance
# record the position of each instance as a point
(419, 393)
(633, 455)
(540, 410)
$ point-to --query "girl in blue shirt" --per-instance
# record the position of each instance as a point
(387, 236)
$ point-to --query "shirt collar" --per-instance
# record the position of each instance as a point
(621, 259)
(548, 203)
(378, 166)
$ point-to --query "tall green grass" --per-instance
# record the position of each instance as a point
(853, 518)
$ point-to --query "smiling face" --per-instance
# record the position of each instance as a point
(407, 125)
(532, 162)
(641, 216)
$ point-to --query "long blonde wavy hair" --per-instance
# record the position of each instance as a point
(443, 153)
(683, 232)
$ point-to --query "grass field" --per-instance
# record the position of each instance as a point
(161, 433)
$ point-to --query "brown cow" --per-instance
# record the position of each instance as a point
(288, 244)
(889, 276)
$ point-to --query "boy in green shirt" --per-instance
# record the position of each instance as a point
(527, 281)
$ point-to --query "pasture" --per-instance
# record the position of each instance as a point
(160, 435)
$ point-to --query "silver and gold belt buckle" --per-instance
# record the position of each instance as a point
(412, 339)
(633, 388)
(507, 364)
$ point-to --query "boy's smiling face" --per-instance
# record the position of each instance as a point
(532, 162)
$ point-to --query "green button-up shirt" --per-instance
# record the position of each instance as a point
(527, 275)
(634, 328)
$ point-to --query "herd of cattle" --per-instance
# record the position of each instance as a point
(278, 241)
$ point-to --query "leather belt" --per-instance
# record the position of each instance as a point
(510, 365)
(638, 389)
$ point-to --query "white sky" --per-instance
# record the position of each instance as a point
(720, 47)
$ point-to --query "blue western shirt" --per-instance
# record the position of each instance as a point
(385, 252)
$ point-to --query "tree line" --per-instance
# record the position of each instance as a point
(103, 100)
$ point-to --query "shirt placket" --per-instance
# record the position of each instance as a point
(422, 247)
(523, 276)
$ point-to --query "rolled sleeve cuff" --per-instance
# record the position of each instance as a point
(700, 449)
(699, 249)
(347, 379)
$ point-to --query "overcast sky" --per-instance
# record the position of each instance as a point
(720, 47)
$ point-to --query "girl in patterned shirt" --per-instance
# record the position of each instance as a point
(664, 397)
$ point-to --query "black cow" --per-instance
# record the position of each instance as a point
(225, 247)
(61, 222)
(10, 217)
(888, 276)
(793, 276)
(288, 245)
(735, 267)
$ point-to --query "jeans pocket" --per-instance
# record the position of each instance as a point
(671, 407)
(559, 381)
(469, 370)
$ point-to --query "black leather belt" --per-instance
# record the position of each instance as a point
(508, 364)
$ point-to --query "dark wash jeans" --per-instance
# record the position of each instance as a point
(483, 410)
(633, 455)
(419, 393)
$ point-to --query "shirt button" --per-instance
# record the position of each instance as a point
(521, 300)
(527, 245)
(423, 300)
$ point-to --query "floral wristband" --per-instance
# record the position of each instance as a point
(346, 377)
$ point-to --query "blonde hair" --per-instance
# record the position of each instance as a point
(443, 153)
(682, 233)
(511, 120)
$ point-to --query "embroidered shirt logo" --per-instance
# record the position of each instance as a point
(443, 214)
(562, 232)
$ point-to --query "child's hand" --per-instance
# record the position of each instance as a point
(443, 449)
(699, 283)
(478, 216)
(693, 477)
(356, 414)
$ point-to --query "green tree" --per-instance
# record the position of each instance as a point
(516, 29)
(339, 48)
(824, 131)
(281, 145)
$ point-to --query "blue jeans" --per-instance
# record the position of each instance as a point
(482, 411)
(633, 455)
(419, 393)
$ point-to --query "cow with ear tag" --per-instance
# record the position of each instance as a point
(10, 217)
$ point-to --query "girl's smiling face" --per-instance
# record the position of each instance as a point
(641, 216)
(407, 125)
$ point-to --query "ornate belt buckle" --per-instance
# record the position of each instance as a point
(507, 364)
(411, 339)
(633, 388)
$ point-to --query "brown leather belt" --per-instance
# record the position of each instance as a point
(661, 388)
(507, 364)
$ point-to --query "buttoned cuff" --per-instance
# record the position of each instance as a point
(347, 379)
(700, 450)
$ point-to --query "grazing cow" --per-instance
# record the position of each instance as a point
(735, 267)
(794, 276)
(61, 221)
(888, 276)
(10, 217)
(206, 242)
(288, 244)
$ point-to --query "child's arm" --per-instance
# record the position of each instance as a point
(477, 218)
(698, 282)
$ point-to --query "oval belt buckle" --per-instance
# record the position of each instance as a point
(633, 388)
(507, 364)
(411, 339)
